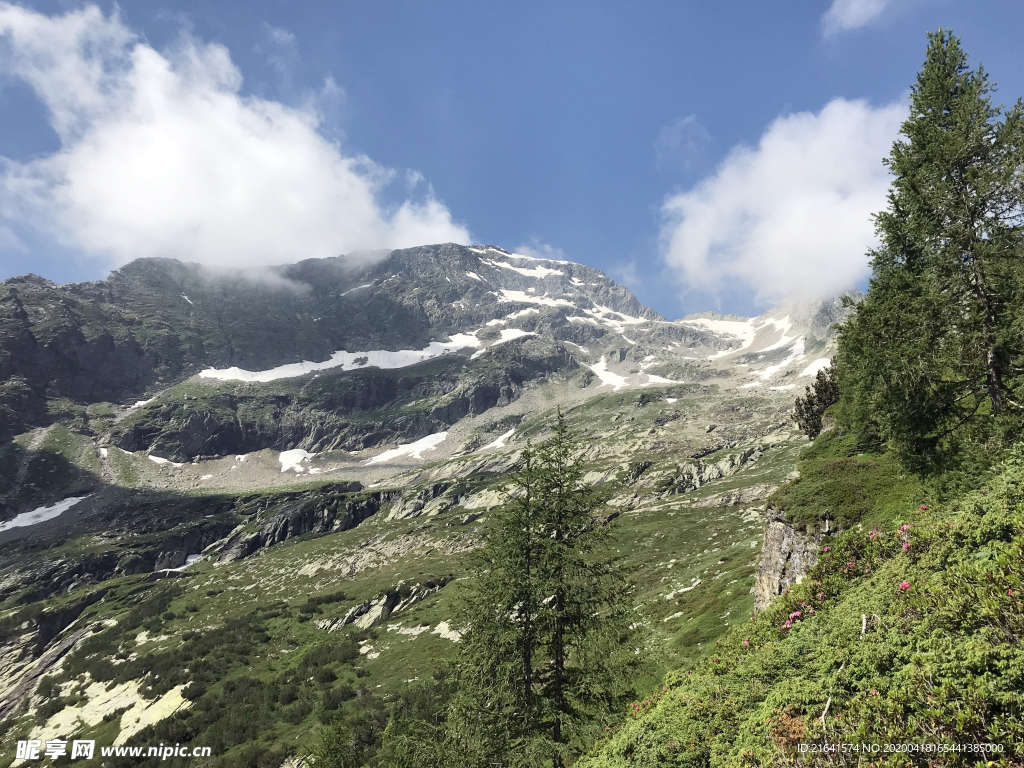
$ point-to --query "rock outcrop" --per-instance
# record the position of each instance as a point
(786, 555)
(386, 604)
(299, 513)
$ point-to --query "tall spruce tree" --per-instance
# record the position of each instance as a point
(933, 355)
(550, 645)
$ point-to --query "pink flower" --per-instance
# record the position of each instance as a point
(924, 506)
(827, 548)
(906, 545)
(795, 615)
(1009, 592)
(821, 595)
(746, 643)
(905, 527)
(904, 585)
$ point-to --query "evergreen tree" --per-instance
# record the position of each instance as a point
(933, 355)
(549, 646)
(819, 396)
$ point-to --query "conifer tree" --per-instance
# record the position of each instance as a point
(550, 645)
(822, 393)
(933, 355)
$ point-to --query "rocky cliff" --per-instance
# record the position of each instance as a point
(787, 553)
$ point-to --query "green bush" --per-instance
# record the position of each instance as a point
(908, 632)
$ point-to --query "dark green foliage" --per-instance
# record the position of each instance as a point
(819, 397)
(312, 604)
(335, 697)
(932, 359)
(846, 488)
(548, 647)
(340, 651)
(234, 712)
(199, 659)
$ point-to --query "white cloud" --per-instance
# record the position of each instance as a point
(539, 250)
(791, 217)
(161, 155)
(626, 274)
(844, 15)
(281, 37)
(680, 144)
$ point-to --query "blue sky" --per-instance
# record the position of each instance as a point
(709, 155)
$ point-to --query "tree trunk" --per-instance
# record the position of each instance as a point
(559, 673)
(994, 382)
(527, 611)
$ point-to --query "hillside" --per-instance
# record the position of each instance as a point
(905, 632)
(235, 505)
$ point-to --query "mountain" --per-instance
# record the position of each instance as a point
(304, 455)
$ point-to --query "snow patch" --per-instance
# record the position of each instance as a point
(293, 459)
(525, 298)
(539, 272)
(519, 255)
(513, 316)
(818, 365)
(161, 461)
(357, 288)
(500, 442)
(506, 335)
(607, 377)
(42, 514)
(652, 379)
(796, 352)
(412, 450)
(342, 359)
(186, 298)
(475, 276)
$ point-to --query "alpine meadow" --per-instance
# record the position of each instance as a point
(457, 506)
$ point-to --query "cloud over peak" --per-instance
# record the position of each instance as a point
(792, 216)
(162, 155)
(844, 15)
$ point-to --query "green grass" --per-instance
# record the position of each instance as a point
(900, 645)
(850, 487)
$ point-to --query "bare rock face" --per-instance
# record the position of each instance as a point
(786, 555)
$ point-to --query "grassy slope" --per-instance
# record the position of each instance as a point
(863, 660)
(241, 632)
